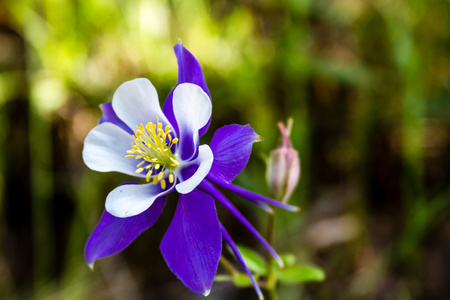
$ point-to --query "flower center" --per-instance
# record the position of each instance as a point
(152, 144)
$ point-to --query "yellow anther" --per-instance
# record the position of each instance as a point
(175, 162)
(152, 147)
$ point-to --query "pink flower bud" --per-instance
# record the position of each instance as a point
(283, 167)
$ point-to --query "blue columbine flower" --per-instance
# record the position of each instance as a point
(135, 137)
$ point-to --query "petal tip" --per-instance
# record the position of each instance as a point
(206, 293)
(91, 266)
(259, 138)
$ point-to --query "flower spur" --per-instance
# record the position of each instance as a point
(135, 137)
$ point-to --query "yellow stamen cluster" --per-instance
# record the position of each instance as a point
(151, 144)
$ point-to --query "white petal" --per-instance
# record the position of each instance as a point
(132, 199)
(192, 108)
(136, 102)
(205, 158)
(105, 148)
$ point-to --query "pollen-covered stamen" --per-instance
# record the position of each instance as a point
(152, 145)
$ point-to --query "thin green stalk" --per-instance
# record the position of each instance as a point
(228, 266)
(271, 279)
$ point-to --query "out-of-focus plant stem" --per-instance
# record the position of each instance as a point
(228, 266)
(271, 281)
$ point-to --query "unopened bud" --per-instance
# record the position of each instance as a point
(283, 166)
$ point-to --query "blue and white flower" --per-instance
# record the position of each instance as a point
(161, 148)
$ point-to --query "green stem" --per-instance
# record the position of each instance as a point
(228, 266)
(271, 279)
(272, 294)
(270, 229)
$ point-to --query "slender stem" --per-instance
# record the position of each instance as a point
(211, 190)
(271, 279)
(239, 257)
(273, 294)
(270, 228)
(228, 266)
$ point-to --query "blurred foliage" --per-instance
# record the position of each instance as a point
(367, 83)
(288, 274)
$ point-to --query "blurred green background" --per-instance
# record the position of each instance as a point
(367, 83)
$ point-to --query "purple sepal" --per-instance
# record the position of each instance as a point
(250, 196)
(113, 234)
(193, 242)
(109, 115)
(211, 190)
(189, 70)
(232, 146)
(239, 257)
